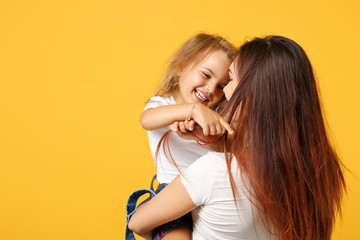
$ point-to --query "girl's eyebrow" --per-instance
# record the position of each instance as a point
(230, 71)
(210, 70)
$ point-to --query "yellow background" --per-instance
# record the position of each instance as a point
(74, 79)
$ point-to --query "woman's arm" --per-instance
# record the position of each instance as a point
(171, 203)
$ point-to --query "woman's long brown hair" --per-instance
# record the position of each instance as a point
(281, 143)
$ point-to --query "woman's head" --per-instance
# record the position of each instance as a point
(280, 140)
(275, 72)
(199, 70)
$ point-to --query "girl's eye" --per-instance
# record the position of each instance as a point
(206, 75)
(230, 79)
(221, 87)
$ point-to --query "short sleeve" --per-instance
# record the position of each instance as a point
(198, 179)
(158, 101)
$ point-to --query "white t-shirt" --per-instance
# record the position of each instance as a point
(184, 152)
(216, 216)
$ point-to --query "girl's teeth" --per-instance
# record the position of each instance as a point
(200, 95)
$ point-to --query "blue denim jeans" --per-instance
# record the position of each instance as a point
(161, 231)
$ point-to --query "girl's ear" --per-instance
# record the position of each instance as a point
(179, 71)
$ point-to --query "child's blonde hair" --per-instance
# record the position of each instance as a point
(192, 52)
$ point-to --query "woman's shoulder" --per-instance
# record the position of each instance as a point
(212, 160)
(214, 156)
(215, 164)
(211, 155)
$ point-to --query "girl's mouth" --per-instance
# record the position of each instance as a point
(200, 96)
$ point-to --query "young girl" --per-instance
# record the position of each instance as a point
(193, 85)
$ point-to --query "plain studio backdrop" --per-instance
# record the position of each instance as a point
(74, 78)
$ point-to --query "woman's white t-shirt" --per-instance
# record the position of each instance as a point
(184, 152)
(216, 216)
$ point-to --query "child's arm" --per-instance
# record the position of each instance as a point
(186, 131)
(159, 117)
(171, 203)
(211, 122)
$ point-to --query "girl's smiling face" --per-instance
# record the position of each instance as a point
(205, 81)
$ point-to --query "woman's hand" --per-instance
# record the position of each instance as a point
(171, 203)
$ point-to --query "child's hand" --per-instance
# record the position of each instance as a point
(183, 126)
(180, 129)
(211, 122)
(216, 143)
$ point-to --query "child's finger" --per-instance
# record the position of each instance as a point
(219, 129)
(226, 126)
(182, 127)
(206, 131)
(187, 125)
(175, 126)
(190, 125)
(212, 130)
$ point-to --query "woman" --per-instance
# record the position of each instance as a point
(279, 177)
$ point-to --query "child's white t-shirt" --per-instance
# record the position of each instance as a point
(184, 152)
(216, 216)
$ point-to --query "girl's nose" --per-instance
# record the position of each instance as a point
(211, 87)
